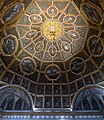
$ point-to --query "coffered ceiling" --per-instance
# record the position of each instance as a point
(52, 48)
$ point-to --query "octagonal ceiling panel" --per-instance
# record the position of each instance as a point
(51, 48)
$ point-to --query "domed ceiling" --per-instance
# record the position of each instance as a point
(52, 48)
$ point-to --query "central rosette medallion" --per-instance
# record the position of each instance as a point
(52, 29)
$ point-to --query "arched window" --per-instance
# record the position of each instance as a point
(86, 104)
(10, 104)
(95, 105)
(25, 107)
(101, 105)
(89, 99)
(3, 104)
(18, 104)
(14, 98)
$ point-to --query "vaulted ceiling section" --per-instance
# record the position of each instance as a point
(52, 48)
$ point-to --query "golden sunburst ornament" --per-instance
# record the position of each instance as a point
(52, 29)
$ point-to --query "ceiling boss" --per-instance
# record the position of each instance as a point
(52, 29)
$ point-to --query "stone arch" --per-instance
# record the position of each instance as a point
(87, 95)
(16, 94)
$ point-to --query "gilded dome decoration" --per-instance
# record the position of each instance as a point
(53, 49)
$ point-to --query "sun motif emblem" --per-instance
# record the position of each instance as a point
(52, 29)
